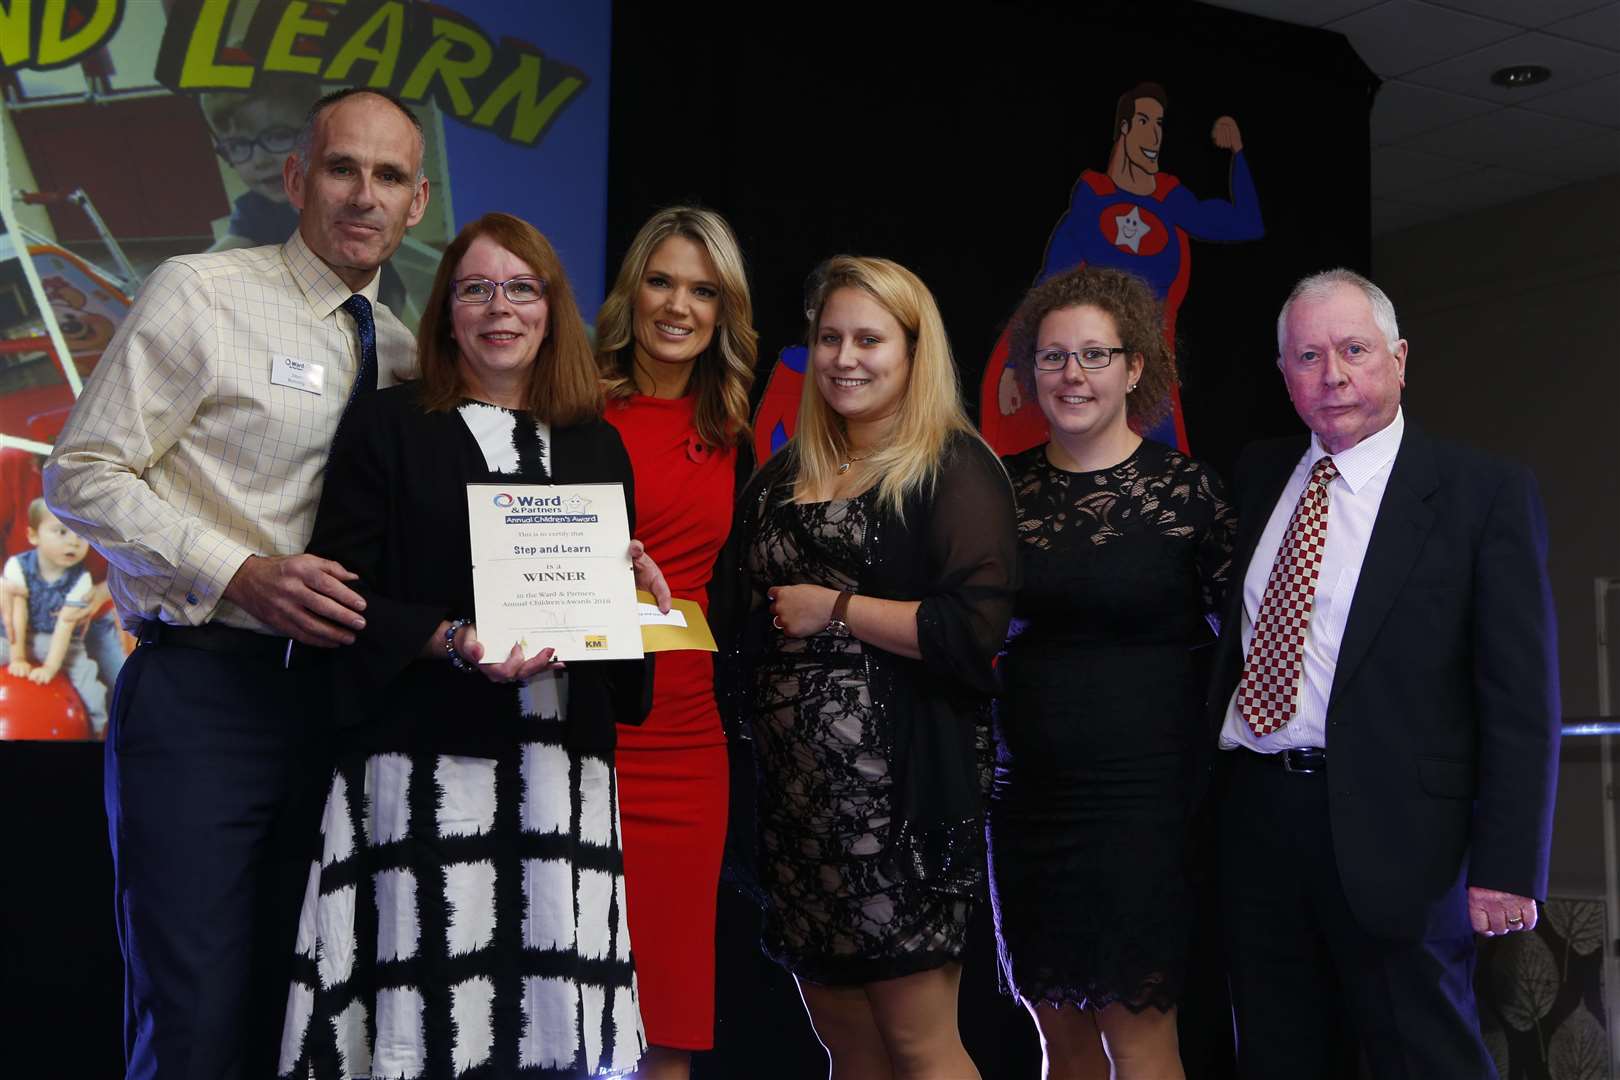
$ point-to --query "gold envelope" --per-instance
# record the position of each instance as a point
(694, 635)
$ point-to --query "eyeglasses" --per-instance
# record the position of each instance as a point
(238, 148)
(1094, 358)
(481, 290)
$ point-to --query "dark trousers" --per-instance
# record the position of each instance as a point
(1309, 983)
(215, 769)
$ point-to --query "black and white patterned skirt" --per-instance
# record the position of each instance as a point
(466, 918)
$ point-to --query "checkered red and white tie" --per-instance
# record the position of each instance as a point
(1271, 675)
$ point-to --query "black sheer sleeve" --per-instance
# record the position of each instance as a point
(1215, 543)
(972, 552)
(354, 525)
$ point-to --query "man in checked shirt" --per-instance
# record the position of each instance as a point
(194, 463)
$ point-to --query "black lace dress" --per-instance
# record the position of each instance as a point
(1097, 731)
(835, 910)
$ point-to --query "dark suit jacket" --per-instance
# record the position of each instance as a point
(394, 510)
(1443, 719)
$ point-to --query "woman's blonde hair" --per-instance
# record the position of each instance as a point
(563, 390)
(724, 374)
(930, 410)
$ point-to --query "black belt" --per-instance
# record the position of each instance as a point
(1301, 759)
(283, 652)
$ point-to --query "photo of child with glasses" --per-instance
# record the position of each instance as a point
(253, 134)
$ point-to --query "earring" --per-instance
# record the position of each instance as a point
(1131, 388)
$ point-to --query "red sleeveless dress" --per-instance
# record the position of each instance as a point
(672, 769)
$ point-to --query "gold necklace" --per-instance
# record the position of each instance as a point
(852, 459)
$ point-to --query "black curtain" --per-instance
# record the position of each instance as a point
(950, 141)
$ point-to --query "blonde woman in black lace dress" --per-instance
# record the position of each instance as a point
(1124, 552)
(882, 539)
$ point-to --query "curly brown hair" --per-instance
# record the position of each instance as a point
(1137, 315)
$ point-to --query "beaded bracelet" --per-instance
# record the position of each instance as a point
(450, 645)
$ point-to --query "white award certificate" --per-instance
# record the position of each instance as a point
(551, 569)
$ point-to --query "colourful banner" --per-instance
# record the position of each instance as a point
(135, 130)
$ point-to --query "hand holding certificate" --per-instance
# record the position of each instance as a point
(552, 569)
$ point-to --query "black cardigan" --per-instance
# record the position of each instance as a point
(956, 552)
(394, 511)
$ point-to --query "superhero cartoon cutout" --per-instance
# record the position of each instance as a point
(1132, 217)
(777, 416)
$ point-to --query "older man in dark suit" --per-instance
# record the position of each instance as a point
(1386, 691)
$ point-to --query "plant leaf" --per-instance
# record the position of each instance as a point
(1526, 979)
(1579, 1050)
(1579, 922)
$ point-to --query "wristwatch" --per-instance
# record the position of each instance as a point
(840, 609)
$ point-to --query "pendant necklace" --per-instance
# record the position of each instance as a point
(853, 458)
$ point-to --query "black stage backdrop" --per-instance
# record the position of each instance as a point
(947, 138)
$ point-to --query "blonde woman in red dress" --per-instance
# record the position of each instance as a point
(676, 348)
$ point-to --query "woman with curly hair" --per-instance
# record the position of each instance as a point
(1124, 552)
(675, 348)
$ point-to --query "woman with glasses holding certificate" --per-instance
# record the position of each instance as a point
(468, 908)
(676, 346)
(881, 540)
(1124, 550)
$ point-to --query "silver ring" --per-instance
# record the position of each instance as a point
(776, 622)
(1517, 920)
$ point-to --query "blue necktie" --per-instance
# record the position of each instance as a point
(366, 380)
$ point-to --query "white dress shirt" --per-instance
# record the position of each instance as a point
(187, 453)
(1353, 500)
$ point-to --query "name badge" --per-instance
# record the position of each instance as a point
(305, 375)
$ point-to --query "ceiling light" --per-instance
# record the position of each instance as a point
(1520, 75)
